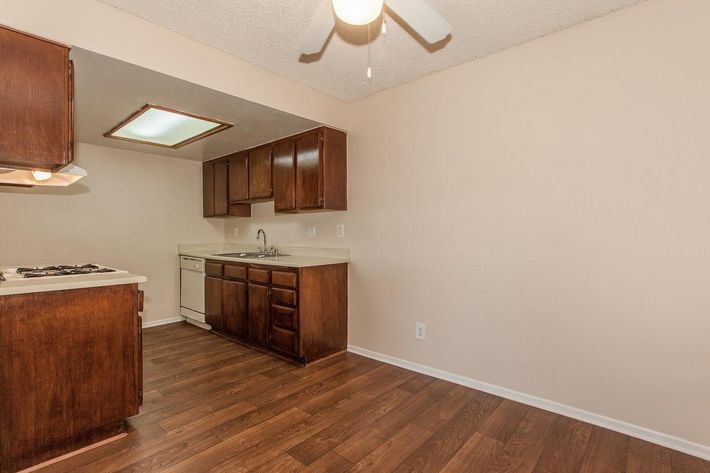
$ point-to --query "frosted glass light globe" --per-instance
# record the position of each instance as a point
(358, 12)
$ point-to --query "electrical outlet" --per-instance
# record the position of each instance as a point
(420, 331)
(236, 231)
(340, 230)
(311, 231)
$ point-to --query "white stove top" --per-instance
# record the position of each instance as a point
(53, 272)
(62, 277)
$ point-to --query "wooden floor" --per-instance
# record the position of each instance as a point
(212, 405)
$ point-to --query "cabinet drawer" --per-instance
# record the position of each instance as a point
(213, 269)
(283, 278)
(259, 275)
(284, 340)
(285, 317)
(235, 272)
(283, 296)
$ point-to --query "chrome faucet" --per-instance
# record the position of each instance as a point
(261, 232)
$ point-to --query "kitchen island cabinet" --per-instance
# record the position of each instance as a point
(70, 370)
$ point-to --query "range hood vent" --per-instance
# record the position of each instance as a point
(20, 177)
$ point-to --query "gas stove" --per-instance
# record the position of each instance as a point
(54, 271)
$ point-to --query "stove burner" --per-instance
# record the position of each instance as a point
(62, 270)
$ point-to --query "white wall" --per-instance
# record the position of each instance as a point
(130, 212)
(545, 211)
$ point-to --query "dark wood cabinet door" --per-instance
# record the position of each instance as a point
(68, 371)
(221, 187)
(309, 173)
(284, 154)
(208, 189)
(234, 308)
(260, 186)
(213, 303)
(259, 314)
(238, 178)
(35, 102)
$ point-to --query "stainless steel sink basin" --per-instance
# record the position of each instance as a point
(249, 254)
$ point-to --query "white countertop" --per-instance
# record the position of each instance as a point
(298, 257)
(63, 283)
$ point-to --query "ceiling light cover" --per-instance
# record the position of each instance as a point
(162, 126)
(358, 12)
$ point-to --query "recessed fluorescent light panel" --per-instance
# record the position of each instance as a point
(162, 126)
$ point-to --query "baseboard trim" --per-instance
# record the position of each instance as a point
(659, 438)
(155, 323)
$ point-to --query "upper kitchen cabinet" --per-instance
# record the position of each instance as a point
(216, 191)
(36, 102)
(302, 173)
(260, 184)
(284, 154)
(310, 172)
(238, 177)
(250, 175)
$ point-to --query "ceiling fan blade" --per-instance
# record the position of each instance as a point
(319, 29)
(422, 18)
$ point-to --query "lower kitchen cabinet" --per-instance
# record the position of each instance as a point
(297, 313)
(70, 370)
(259, 313)
(213, 302)
(234, 308)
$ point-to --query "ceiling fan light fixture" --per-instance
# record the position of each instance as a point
(358, 12)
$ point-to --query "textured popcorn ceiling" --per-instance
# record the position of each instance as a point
(268, 32)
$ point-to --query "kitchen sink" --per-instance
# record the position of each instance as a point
(249, 254)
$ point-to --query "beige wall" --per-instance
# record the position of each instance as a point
(545, 212)
(130, 212)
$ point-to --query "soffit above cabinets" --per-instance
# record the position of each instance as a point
(107, 91)
(267, 33)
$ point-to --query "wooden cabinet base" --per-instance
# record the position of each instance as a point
(297, 314)
(81, 447)
(70, 370)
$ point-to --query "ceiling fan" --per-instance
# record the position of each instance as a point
(418, 14)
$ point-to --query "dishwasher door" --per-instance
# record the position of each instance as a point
(192, 288)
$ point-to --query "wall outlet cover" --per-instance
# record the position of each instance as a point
(236, 232)
(340, 230)
(311, 231)
(420, 331)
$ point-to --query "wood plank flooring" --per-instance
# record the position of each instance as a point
(212, 405)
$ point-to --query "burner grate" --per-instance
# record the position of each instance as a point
(62, 270)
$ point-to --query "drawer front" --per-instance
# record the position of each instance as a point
(283, 296)
(283, 278)
(284, 340)
(235, 272)
(284, 317)
(259, 275)
(213, 269)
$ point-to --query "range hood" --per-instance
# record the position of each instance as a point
(67, 175)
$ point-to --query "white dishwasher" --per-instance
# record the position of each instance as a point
(192, 290)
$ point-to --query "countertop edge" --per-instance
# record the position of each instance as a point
(66, 285)
(322, 260)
